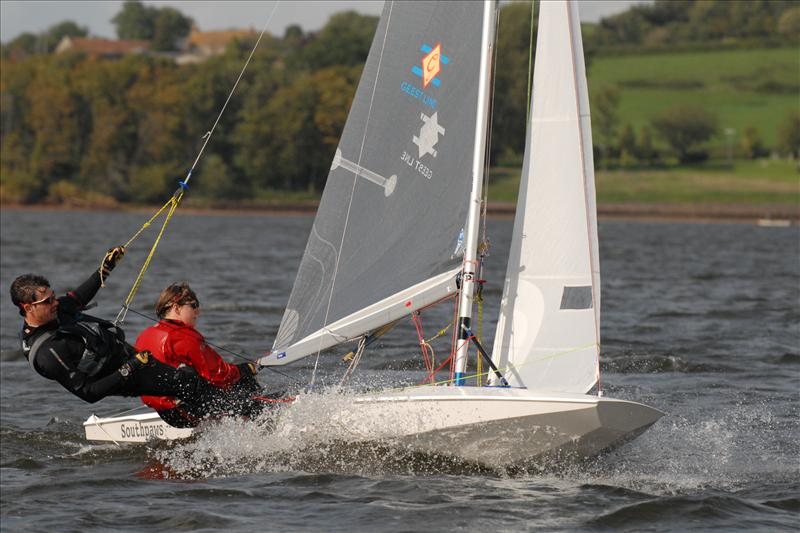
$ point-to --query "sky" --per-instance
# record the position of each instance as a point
(34, 16)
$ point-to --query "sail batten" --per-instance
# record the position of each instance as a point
(397, 194)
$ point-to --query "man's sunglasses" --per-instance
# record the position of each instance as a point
(46, 300)
(193, 304)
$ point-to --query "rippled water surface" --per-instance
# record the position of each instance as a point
(699, 320)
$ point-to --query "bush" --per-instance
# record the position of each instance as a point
(65, 192)
(685, 128)
(789, 135)
(645, 151)
(789, 25)
(627, 146)
(19, 187)
(149, 184)
(751, 145)
(215, 179)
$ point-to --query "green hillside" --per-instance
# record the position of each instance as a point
(765, 182)
(741, 87)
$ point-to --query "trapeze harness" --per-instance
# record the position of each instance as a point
(103, 342)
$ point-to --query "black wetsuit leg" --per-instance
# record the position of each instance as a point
(198, 397)
(178, 418)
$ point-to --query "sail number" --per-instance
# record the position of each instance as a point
(411, 161)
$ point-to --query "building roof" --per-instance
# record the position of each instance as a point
(102, 47)
(217, 38)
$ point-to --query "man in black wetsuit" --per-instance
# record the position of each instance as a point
(89, 357)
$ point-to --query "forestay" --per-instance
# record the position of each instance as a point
(548, 333)
(384, 241)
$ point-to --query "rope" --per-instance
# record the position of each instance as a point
(143, 406)
(502, 370)
(135, 235)
(439, 333)
(176, 198)
(210, 132)
(479, 361)
(173, 204)
(362, 344)
(488, 154)
(432, 375)
(424, 346)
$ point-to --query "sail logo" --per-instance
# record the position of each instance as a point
(431, 65)
(426, 142)
(428, 134)
(417, 93)
(428, 69)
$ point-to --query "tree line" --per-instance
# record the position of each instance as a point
(128, 129)
(684, 128)
(666, 23)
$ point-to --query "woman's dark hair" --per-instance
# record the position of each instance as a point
(23, 289)
(177, 293)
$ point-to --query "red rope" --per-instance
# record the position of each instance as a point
(288, 399)
(422, 345)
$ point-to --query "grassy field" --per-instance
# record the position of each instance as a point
(741, 87)
(753, 183)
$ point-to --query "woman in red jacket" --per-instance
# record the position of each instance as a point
(175, 342)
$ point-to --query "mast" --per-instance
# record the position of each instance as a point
(473, 217)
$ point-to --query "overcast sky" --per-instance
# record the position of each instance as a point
(33, 16)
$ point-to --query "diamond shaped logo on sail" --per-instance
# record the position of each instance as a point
(431, 65)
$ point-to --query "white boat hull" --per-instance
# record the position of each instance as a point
(496, 427)
(493, 427)
(133, 428)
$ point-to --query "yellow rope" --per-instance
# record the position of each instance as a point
(135, 235)
(439, 334)
(147, 224)
(172, 203)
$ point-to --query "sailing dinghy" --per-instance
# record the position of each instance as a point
(397, 231)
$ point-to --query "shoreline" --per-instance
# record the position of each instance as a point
(778, 214)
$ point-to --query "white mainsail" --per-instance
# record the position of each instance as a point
(397, 195)
(548, 333)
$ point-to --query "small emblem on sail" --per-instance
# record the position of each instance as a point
(459, 245)
(428, 134)
(431, 65)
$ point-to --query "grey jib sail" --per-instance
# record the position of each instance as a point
(396, 196)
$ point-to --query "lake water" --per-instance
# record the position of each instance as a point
(699, 320)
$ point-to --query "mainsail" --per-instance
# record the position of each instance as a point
(548, 333)
(384, 242)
